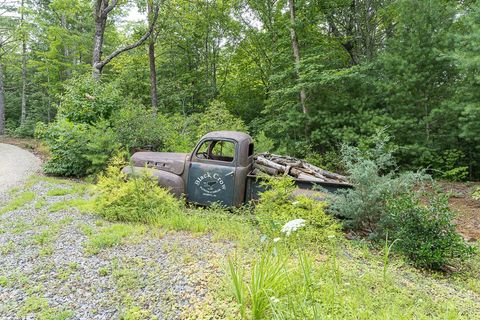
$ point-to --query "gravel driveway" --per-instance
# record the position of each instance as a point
(58, 262)
(16, 165)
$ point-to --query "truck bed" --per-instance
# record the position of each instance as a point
(309, 188)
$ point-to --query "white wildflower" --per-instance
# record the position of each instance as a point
(274, 300)
(277, 239)
(292, 226)
(295, 203)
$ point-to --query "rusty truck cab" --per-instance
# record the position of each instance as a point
(218, 168)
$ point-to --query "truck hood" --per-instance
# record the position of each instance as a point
(166, 161)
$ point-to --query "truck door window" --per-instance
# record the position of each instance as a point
(250, 149)
(217, 150)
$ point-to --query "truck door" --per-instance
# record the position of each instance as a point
(211, 176)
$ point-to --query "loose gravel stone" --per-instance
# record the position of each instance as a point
(46, 269)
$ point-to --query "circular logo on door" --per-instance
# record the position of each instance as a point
(210, 183)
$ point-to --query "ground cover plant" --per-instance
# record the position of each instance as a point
(426, 232)
(277, 206)
(300, 270)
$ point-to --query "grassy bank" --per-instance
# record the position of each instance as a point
(340, 280)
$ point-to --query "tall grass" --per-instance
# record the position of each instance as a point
(287, 280)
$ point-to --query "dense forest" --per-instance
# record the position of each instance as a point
(301, 76)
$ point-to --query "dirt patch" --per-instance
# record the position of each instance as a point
(468, 219)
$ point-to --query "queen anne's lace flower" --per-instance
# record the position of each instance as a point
(292, 226)
(274, 300)
(277, 239)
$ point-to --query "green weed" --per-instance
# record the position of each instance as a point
(59, 192)
(18, 202)
(7, 248)
(79, 203)
(40, 308)
(103, 271)
(111, 236)
(40, 203)
(43, 237)
(3, 281)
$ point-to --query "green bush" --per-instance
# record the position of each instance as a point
(426, 233)
(278, 206)
(263, 143)
(374, 182)
(476, 194)
(25, 130)
(87, 101)
(76, 149)
(139, 128)
(217, 117)
(181, 133)
(330, 160)
(134, 200)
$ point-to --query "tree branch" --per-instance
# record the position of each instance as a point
(109, 7)
(140, 41)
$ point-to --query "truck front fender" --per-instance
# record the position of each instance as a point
(167, 180)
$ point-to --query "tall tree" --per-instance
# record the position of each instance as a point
(296, 52)
(102, 9)
(151, 59)
(24, 63)
(2, 100)
(6, 38)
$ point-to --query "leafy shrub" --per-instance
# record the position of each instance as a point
(263, 143)
(25, 130)
(449, 164)
(134, 200)
(139, 128)
(426, 233)
(476, 194)
(374, 182)
(76, 149)
(217, 117)
(456, 174)
(181, 133)
(329, 160)
(277, 206)
(87, 101)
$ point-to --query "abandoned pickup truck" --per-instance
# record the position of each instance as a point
(223, 169)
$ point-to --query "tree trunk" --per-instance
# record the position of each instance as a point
(100, 24)
(296, 52)
(102, 9)
(2, 103)
(151, 57)
(66, 53)
(24, 71)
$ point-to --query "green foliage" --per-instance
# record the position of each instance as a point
(410, 65)
(374, 182)
(263, 143)
(277, 206)
(267, 278)
(111, 236)
(217, 117)
(329, 160)
(18, 201)
(476, 194)
(77, 149)
(138, 199)
(86, 101)
(138, 128)
(25, 130)
(426, 232)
